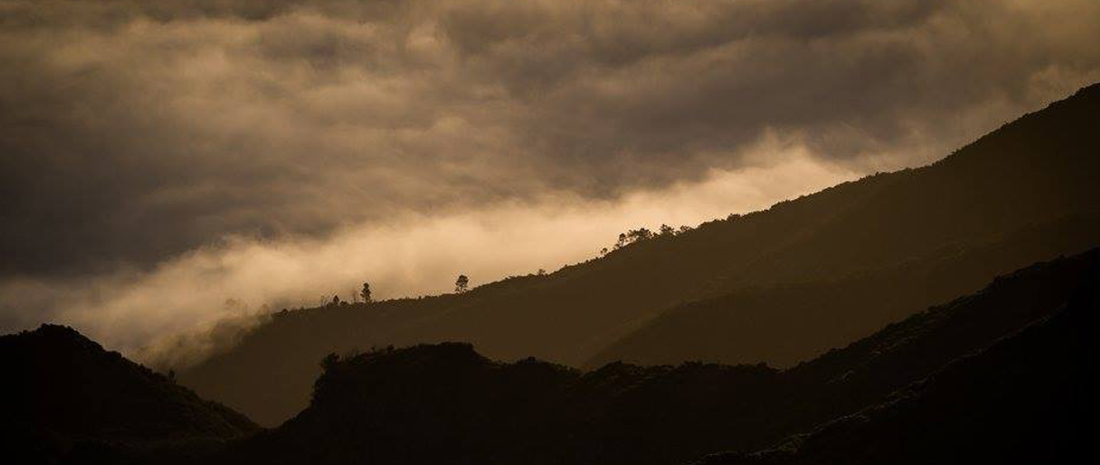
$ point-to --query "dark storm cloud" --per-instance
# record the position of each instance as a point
(131, 131)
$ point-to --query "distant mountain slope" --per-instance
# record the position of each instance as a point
(65, 398)
(788, 323)
(447, 404)
(1037, 170)
(1029, 398)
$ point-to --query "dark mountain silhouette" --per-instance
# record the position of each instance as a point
(1029, 398)
(448, 404)
(65, 399)
(1036, 174)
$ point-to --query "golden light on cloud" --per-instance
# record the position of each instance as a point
(416, 255)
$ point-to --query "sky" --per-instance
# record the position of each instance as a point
(166, 165)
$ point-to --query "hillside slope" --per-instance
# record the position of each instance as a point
(448, 404)
(1029, 398)
(788, 323)
(64, 398)
(1037, 170)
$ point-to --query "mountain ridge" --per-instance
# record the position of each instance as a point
(1036, 170)
(447, 403)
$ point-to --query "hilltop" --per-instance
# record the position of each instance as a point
(65, 399)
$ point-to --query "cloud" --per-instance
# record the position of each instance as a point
(137, 136)
(140, 312)
(134, 131)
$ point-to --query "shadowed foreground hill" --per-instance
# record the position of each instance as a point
(1029, 398)
(1037, 173)
(448, 404)
(65, 399)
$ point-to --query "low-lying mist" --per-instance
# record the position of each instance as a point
(185, 306)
